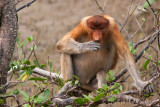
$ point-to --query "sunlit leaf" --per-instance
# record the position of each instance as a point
(145, 5)
(25, 95)
(38, 79)
(146, 95)
(75, 77)
(24, 77)
(81, 100)
(98, 97)
(87, 97)
(143, 19)
(146, 63)
(111, 99)
(26, 105)
(1, 101)
(35, 83)
(30, 39)
(46, 94)
(16, 91)
(60, 82)
(23, 43)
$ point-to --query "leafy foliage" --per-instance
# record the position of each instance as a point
(103, 92)
(145, 5)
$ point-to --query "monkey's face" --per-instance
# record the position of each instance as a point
(97, 26)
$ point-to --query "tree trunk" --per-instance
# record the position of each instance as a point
(8, 34)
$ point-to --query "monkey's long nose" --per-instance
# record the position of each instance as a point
(97, 35)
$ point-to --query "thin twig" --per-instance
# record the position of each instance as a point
(18, 1)
(140, 28)
(104, 5)
(128, 16)
(8, 96)
(101, 9)
(26, 5)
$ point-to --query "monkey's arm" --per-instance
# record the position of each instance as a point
(125, 53)
(68, 44)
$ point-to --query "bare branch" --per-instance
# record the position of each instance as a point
(26, 5)
(101, 9)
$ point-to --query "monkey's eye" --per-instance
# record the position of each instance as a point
(100, 28)
(93, 28)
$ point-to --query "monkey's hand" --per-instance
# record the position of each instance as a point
(140, 85)
(90, 46)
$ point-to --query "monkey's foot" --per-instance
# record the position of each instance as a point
(144, 86)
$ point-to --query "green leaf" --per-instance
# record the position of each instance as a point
(75, 77)
(1, 101)
(17, 40)
(21, 83)
(101, 90)
(50, 64)
(105, 87)
(87, 97)
(146, 95)
(25, 95)
(60, 82)
(39, 99)
(145, 5)
(19, 33)
(35, 62)
(35, 47)
(146, 63)
(29, 71)
(143, 19)
(98, 97)
(120, 87)
(38, 79)
(27, 62)
(30, 39)
(111, 74)
(26, 105)
(76, 82)
(16, 91)
(28, 67)
(159, 62)
(131, 49)
(23, 43)
(154, 93)
(46, 94)
(81, 100)
(150, 56)
(35, 84)
(111, 99)
(43, 65)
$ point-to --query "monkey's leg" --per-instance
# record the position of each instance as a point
(97, 82)
(101, 75)
(66, 66)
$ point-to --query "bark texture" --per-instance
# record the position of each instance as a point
(8, 34)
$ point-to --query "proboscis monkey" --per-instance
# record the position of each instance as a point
(92, 48)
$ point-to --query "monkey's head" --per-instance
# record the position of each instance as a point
(98, 26)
